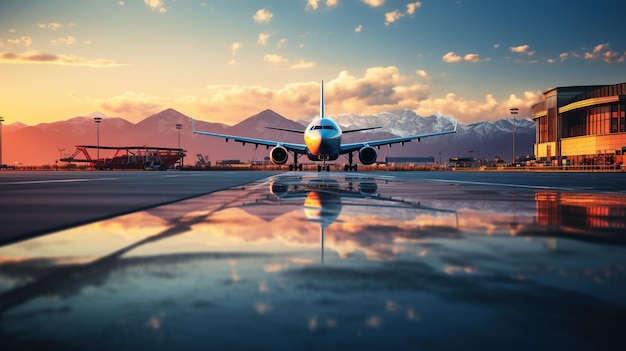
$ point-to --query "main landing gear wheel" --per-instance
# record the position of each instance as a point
(349, 168)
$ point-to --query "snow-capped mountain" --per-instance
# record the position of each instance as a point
(41, 144)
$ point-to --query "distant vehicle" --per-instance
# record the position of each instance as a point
(129, 157)
(322, 142)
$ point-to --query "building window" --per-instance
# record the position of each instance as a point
(622, 118)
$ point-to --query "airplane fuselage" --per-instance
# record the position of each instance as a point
(322, 138)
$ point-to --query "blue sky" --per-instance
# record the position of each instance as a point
(223, 61)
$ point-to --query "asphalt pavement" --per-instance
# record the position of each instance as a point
(35, 203)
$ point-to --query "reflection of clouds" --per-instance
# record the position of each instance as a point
(263, 287)
(449, 269)
(155, 321)
(373, 322)
(391, 306)
(233, 267)
(135, 226)
(312, 323)
(412, 316)
(493, 223)
(262, 308)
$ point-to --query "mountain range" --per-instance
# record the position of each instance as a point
(44, 143)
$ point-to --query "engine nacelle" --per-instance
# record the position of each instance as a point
(279, 155)
(278, 189)
(368, 155)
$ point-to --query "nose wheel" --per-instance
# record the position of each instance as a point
(324, 167)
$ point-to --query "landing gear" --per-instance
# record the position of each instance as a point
(295, 166)
(350, 167)
(325, 167)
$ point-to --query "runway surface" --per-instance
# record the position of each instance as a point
(35, 203)
(283, 261)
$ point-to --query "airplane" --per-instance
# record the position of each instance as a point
(322, 142)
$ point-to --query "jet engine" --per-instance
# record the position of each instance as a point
(368, 155)
(279, 155)
(278, 189)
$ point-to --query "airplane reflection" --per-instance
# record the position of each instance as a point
(323, 198)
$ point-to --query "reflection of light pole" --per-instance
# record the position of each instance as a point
(513, 113)
(179, 126)
(1, 120)
(97, 120)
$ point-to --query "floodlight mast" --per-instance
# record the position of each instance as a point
(514, 111)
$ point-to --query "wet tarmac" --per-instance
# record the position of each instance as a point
(335, 261)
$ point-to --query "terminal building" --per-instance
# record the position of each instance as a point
(581, 125)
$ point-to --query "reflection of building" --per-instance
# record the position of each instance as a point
(581, 125)
(592, 216)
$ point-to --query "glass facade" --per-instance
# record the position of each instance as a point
(583, 125)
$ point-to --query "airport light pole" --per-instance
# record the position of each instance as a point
(179, 127)
(97, 120)
(1, 120)
(514, 111)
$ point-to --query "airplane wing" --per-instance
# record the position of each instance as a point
(300, 148)
(346, 148)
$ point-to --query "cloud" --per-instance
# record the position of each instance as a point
(22, 42)
(312, 5)
(602, 52)
(378, 90)
(452, 57)
(51, 26)
(563, 56)
(422, 74)
(469, 111)
(412, 7)
(282, 42)
(132, 104)
(275, 59)
(304, 64)
(155, 5)
(393, 16)
(358, 28)
(33, 57)
(121, 3)
(374, 3)
(263, 38)
(522, 49)
(263, 16)
(234, 47)
(69, 40)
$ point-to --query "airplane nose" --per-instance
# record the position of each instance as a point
(314, 142)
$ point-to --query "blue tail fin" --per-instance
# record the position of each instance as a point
(322, 100)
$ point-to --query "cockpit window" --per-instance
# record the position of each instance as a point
(322, 127)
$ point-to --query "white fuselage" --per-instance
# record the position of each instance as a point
(322, 138)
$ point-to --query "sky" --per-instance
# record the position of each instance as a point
(223, 61)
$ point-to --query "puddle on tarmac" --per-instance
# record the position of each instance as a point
(329, 261)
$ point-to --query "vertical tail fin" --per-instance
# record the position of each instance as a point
(322, 100)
